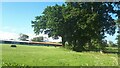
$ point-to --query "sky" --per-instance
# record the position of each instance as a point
(17, 16)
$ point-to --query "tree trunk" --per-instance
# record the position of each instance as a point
(63, 42)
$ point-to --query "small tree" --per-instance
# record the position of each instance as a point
(118, 36)
(118, 42)
(38, 39)
(111, 43)
(23, 37)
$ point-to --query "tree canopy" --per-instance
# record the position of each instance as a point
(78, 23)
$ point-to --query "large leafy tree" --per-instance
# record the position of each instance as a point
(78, 23)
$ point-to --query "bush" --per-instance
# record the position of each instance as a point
(68, 46)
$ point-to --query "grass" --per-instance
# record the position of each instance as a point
(112, 49)
(24, 55)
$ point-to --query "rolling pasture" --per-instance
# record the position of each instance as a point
(25, 55)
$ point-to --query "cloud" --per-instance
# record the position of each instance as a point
(11, 29)
(8, 35)
(4, 35)
(11, 35)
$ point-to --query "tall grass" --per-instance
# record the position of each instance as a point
(24, 55)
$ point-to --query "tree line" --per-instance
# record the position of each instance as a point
(24, 37)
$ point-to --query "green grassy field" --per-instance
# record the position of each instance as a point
(24, 55)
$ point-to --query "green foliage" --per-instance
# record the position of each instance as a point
(11, 64)
(23, 37)
(38, 39)
(118, 40)
(111, 49)
(111, 44)
(118, 21)
(25, 55)
(78, 23)
(96, 45)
